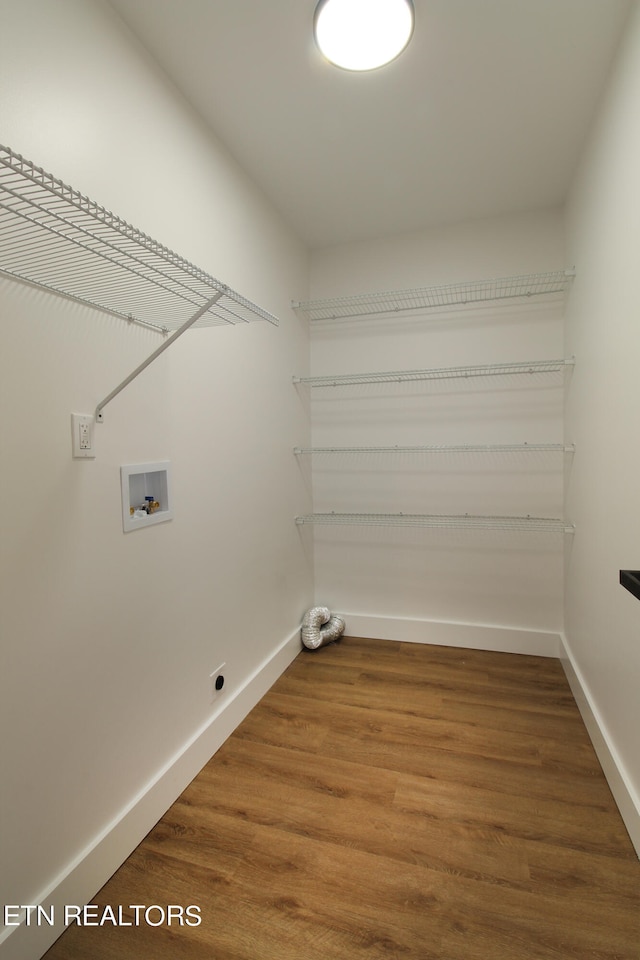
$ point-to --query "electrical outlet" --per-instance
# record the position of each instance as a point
(217, 680)
(82, 436)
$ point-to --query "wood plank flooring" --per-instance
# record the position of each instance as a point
(396, 801)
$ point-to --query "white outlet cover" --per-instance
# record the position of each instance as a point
(82, 438)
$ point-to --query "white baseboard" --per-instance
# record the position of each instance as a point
(476, 636)
(626, 798)
(82, 878)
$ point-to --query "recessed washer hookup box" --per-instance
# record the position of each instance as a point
(145, 494)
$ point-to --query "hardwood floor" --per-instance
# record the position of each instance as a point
(389, 800)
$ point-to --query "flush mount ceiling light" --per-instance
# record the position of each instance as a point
(363, 34)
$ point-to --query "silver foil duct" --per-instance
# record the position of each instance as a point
(320, 628)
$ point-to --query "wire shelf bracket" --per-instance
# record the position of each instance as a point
(429, 298)
(156, 353)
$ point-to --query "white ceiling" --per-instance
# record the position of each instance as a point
(484, 114)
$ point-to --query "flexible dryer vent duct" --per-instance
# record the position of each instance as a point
(319, 627)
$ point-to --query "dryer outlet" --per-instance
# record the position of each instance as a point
(217, 681)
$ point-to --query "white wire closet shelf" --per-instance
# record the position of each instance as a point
(53, 236)
(440, 373)
(447, 448)
(451, 522)
(446, 295)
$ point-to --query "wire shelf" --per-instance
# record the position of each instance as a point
(447, 448)
(455, 522)
(440, 373)
(56, 238)
(447, 295)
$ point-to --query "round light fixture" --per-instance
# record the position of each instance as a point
(363, 34)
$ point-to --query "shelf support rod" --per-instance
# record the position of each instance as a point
(156, 353)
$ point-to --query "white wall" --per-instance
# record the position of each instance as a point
(108, 639)
(482, 588)
(602, 619)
